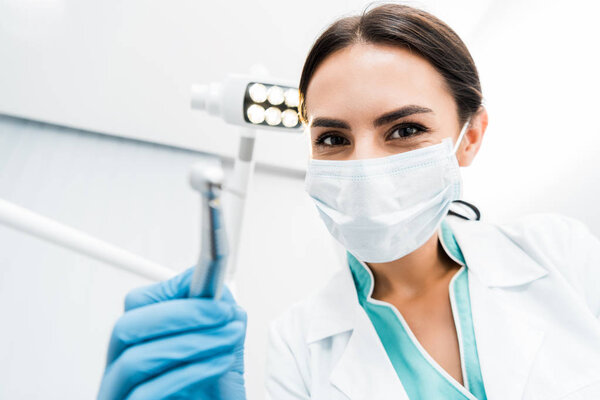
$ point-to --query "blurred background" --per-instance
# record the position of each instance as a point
(96, 131)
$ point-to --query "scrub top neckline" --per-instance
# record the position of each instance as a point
(418, 344)
(450, 246)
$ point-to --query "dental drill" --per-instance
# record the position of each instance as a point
(209, 274)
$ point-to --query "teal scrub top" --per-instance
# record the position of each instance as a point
(421, 376)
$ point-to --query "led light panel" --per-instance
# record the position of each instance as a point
(271, 105)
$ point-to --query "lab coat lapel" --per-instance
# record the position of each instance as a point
(507, 342)
(336, 311)
(376, 382)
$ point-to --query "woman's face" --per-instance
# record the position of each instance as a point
(370, 100)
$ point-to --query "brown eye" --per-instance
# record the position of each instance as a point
(329, 140)
(406, 131)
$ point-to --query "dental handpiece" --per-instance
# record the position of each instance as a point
(209, 273)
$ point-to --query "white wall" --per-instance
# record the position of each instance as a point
(539, 70)
(58, 308)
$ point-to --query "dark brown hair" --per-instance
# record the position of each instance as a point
(407, 27)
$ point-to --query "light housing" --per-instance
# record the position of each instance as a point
(250, 102)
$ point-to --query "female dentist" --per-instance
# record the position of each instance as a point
(430, 306)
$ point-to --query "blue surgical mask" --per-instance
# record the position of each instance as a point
(381, 209)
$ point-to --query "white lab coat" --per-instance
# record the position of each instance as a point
(535, 296)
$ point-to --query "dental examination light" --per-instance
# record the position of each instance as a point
(251, 103)
(247, 102)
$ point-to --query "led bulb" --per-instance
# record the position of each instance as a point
(289, 118)
(273, 116)
(275, 95)
(258, 92)
(292, 98)
(256, 114)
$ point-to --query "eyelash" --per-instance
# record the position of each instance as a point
(420, 130)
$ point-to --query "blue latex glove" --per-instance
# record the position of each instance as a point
(169, 346)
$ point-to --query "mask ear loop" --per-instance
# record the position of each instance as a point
(471, 206)
(461, 135)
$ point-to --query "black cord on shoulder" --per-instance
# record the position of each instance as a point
(471, 206)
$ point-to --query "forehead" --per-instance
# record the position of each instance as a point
(371, 78)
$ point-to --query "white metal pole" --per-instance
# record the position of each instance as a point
(235, 190)
(47, 229)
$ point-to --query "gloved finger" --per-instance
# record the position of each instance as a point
(238, 364)
(238, 350)
(227, 296)
(183, 382)
(149, 359)
(166, 318)
(174, 288)
(228, 386)
(240, 314)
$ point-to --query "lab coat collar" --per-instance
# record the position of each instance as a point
(492, 256)
(331, 307)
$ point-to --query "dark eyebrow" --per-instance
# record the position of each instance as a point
(386, 118)
(329, 123)
(400, 113)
